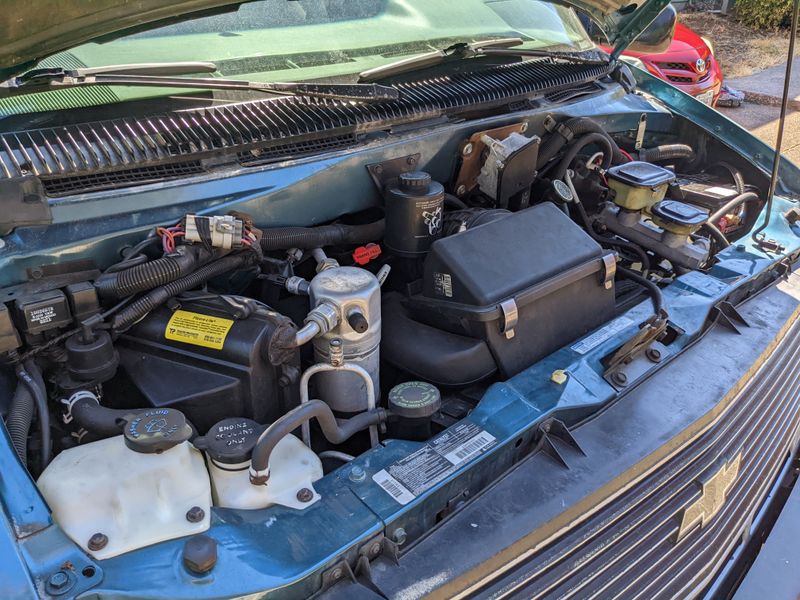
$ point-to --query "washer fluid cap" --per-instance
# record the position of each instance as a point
(414, 399)
(155, 430)
(230, 441)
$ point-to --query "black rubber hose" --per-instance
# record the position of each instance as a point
(20, 417)
(283, 238)
(731, 204)
(452, 202)
(666, 152)
(652, 288)
(135, 255)
(571, 129)
(105, 422)
(736, 175)
(140, 278)
(578, 145)
(31, 377)
(155, 298)
(334, 432)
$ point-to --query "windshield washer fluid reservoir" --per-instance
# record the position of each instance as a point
(292, 467)
(132, 498)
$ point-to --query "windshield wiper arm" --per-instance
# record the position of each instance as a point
(158, 75)
(575, 57)
(436, 57)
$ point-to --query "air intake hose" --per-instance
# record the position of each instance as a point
(149, 275)
(283, 238)
(155, 298)
(666, 152)
(569, 130)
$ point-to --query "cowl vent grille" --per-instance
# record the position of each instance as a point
(191, 135)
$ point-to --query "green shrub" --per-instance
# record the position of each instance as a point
(764, 14)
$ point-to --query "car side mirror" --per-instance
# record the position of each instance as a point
(657, 37)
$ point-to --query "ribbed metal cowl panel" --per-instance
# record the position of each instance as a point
(190, 135)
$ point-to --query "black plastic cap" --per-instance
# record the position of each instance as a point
(200, 554)
(672, 211)
(414, 400)
(231, 441)
(415, 182)
(358, 322)
(93, 358)
(156, 430)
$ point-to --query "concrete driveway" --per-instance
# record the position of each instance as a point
(762, 120)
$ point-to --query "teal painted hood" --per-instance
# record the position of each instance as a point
(31, 30)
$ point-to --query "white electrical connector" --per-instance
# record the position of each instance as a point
(220, 231)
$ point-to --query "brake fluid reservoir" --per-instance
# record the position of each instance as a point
(293, 467)
(356, 295)
(130, 491)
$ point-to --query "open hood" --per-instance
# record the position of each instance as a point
(32, 31)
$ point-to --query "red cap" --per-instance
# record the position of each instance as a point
(363, 254)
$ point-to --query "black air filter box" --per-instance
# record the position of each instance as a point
(528, 283)
(207, 363)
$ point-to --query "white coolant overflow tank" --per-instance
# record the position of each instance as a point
(293, 468)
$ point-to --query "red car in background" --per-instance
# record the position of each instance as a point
(688, 64)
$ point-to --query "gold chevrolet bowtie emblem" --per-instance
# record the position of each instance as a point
(715, 491)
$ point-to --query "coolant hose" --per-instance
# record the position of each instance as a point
(283, 238)
(146, 276)
(731, 204)
(578, 145)
(334, 432)
(715, 234)
(30, 376)
(566, 132)
(666, 152)
(652, 288)
(155, 298)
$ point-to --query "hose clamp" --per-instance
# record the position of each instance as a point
(70, 402)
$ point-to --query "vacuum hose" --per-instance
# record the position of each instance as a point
(334, 432)
(155, 298)
(282, 238)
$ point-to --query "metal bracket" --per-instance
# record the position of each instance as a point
(510, 317)
(387, 172)
(552, 430)
(609, 270)
(23, 203)
(640, 130)
(650, 331)
(726, 315)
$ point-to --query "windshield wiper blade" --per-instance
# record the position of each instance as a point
(436, 57)
(157, 75)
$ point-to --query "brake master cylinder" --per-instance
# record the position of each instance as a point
(354, 294)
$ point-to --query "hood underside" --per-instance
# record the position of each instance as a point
(31, 31)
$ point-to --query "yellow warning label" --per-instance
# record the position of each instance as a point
(197, 329)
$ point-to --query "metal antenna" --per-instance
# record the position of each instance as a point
(773, 182)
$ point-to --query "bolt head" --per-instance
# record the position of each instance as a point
(468, 148)
(195, 514)
(305, 495)
(375, 549)
(461, 190)
(378, 169)
(336, 573)
(97, 542)
(357, 474)
(411, 161)
(58, 580)
(653, 354)
(399, 536)
(200, 554)
(619, 378)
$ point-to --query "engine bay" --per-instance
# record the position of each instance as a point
(225, 363)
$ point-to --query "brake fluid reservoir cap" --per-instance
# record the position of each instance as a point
(414, 400)
(230, 441)
(155, 430)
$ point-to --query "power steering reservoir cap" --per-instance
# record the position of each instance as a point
(414, 400)
(155, 430)
(230, 441)
(415, 182)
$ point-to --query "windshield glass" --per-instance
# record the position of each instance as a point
(281, 40)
